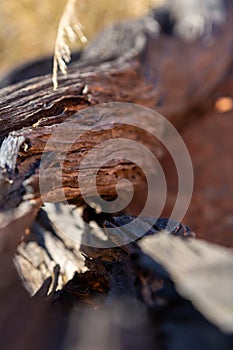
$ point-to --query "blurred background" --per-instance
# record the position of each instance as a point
(28, 27)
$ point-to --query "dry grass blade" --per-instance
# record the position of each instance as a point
(69, 29)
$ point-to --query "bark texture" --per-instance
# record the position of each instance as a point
(131, 295)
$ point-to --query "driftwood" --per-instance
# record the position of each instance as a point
(106, 281)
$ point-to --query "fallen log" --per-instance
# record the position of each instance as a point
(31, 112)
(148, 76)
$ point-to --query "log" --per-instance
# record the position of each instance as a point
(147, 74)
(153, 306)
(63, 147)
(145, 281)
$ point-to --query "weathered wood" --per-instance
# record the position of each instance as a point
(202, 273)
(15, 222)
(147, 74)
(150, 76)
(77, 138)
(142, 274)
(132, 273)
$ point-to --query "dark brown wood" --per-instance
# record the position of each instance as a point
(156, 77)
(139, 274)
(66, 137)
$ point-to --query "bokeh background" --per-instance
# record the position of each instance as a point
(28, 27)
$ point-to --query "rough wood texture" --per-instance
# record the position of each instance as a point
(145, 79)
(76, 137)
(147, 281)
(151, 77)
(145, 75)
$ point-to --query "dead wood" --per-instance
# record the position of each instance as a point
(154, 76)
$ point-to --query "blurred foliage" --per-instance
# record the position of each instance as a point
(28, 27)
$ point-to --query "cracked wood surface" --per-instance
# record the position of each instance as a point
(155, 78)
(152, 76)
(150, 79)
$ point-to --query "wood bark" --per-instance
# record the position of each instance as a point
(152, 77)
(146, 280)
